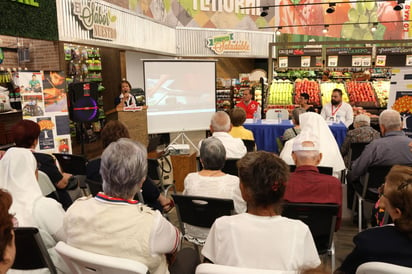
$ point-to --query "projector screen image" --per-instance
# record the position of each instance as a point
(180, 95)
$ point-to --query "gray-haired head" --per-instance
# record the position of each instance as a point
(390, 119)
(362, 120)
(220, 122)
(123, 168)
(295, 114)
(212, 154)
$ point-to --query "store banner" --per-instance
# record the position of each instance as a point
(44, 101)
(227, 43)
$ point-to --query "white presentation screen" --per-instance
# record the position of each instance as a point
(180, 94)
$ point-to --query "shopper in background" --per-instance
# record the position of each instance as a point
(249, 105)
(303, 102)
(337, 110)
(7, 246)
(125, 99)
(237, 118)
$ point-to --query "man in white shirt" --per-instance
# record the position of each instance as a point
(220, 126)
(337, 109)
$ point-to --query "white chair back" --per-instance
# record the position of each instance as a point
(273, 113)
(45, 183)
(84, 262)
(223, 269)
(382, 268)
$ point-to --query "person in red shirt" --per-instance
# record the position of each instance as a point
(306, 184)
(249, 105)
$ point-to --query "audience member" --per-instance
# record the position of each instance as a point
(363, 133)
(220, 127)
(7, 246)
(337, 110)
(113, 131)
(295, 130)
(18, 170)
(303, 102)
(26, 135)
(114, 224)
(237, 118)
(261, 238)
(249, 105)
(211, 181)
(390, 243)
(306, 184)
(312, 124)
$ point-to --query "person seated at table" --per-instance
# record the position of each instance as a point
(7, 245)
(113, 224)
(237, 118)
(312, 124)
(337, 110)
(26, 135)
(303, 102)
(211, 181)
(220, 127)
(363, 133)
(295, 130)
(390, 243)
(262, 238)
(306, 184)
(18, 175)
(113, 131)
(249, 105)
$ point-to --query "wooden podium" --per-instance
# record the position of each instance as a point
(135, 121)
(182, 165)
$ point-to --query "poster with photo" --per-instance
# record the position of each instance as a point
(46, 138)
(333, 61)
(31, 91)
(54, 90)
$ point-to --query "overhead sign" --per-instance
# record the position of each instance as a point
(304, 51)
(226, 43)
(394, 50)
(97, 18)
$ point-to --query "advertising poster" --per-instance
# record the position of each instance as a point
(333, 61)
(380, 60)
(31, 90)
(356, 61)
(305, 61)
(409, 60)
(283, 62)
(366, 61)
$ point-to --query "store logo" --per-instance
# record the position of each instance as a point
(226, 43)
(96, 17)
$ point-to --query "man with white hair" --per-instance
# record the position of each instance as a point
(220, 126)
(363, 133)
(306, 184)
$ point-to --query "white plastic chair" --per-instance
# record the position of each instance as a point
(84, 262)
(222, 269)
(382, 268)
(273, 113)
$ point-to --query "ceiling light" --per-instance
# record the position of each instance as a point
(374, 27)
(325, 29)
(264, 12)
(331, 8)
(399, 5)
(278, 32)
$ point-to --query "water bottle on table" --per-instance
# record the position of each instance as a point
(279, 116)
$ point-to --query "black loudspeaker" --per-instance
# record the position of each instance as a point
(82, 102)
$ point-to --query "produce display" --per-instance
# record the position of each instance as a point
(403, 104)
(311, 87)
(361, 92)
(326, 89)
(280, 93)
(382, 91)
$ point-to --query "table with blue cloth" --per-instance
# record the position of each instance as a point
(265, 133)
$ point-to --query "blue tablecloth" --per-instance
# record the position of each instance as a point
(266, 134)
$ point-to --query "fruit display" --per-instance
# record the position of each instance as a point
(403, 104)
(361, 92)
(280, 93)
(326, 89)
(311, 87)
(382, 91)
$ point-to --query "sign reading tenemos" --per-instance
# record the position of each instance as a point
(226, 43)
(96, 17)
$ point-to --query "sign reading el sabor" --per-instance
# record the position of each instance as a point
(97, 18)
(226, 43)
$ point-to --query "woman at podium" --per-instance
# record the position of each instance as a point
(125, 99)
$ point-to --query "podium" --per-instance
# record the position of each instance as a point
(135, 121)
(182, 165)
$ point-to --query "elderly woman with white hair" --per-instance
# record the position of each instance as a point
(211, 181)
(113, 224)
(363, 133)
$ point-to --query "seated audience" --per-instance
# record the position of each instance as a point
(220, 127)
(303, 102)
(18, 170)
(26, 135)
(390, 243)
(113, 131)
(306, 184)
(261, 238)
(295, 130)
(312, 124)
(7, 246)
(211, 181)
(363, 133)
(237, 118)
(113, 224)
